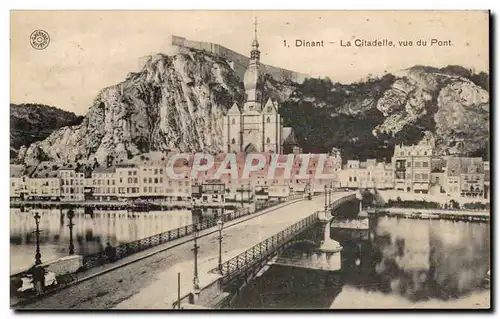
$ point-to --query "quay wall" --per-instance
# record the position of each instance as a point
(383, 196)
(463, 212)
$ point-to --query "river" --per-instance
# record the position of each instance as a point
(400, 263)
(91, 231)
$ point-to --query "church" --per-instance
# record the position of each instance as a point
(257, 126)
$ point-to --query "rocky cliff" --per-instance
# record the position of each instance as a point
(174, 102)
(448, 107)
(30, 123)
(177, 102)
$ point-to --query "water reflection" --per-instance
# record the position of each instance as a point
(91, 230)
(402, 262)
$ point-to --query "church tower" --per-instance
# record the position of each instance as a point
(257, 126)
(253, 78)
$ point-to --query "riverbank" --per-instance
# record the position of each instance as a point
(383, 196)
(106, 268)
(430, 213)
(111, 284)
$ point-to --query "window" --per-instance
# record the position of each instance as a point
(409, 164)
(268, 140)
(233, 121)
(269, 109)
(145, 180)
(233, 141)
(156, 171)
(268, 120)
(425, 164)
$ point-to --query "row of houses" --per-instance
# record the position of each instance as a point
(418, 169)
(413, 168)
(146, 176)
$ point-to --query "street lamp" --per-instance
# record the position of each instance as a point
(326, 203)
(196, 281)
(71, 214)
(38, 256)
(249, 191)
(242, 191)
(220, 226)
(329, 195)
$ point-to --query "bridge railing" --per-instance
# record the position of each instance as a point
(265, 248)
(127, 249)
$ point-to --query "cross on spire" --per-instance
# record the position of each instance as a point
(255, 53)
(255, 26)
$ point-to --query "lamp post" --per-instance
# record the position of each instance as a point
(220, 226)
(196, 281)
(326, 203)
(241, 189)
(38, 256)
(330, 195)
(249, 191)
(71, 214)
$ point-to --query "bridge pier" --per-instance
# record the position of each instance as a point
(328, 244)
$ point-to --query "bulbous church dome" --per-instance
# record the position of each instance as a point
(253, 76)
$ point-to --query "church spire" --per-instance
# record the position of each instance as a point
(255, 53)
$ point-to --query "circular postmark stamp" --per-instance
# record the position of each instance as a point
(39, 39)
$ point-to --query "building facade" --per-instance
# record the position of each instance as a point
(369, 174)
(72, 184)
(412, 168)
(104, 184)
(465, 177)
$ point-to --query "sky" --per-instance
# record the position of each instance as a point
(91, 50)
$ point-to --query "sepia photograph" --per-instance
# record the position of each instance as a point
(249, 160)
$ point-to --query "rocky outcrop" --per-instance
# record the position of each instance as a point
(30, 123)
(177, 102)
(457, 109)
(174, 102)
(366, 119)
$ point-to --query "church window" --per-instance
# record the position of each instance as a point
(268, 140)
(268, 119)
(233, 141)
(233, 122)
(269, 109)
